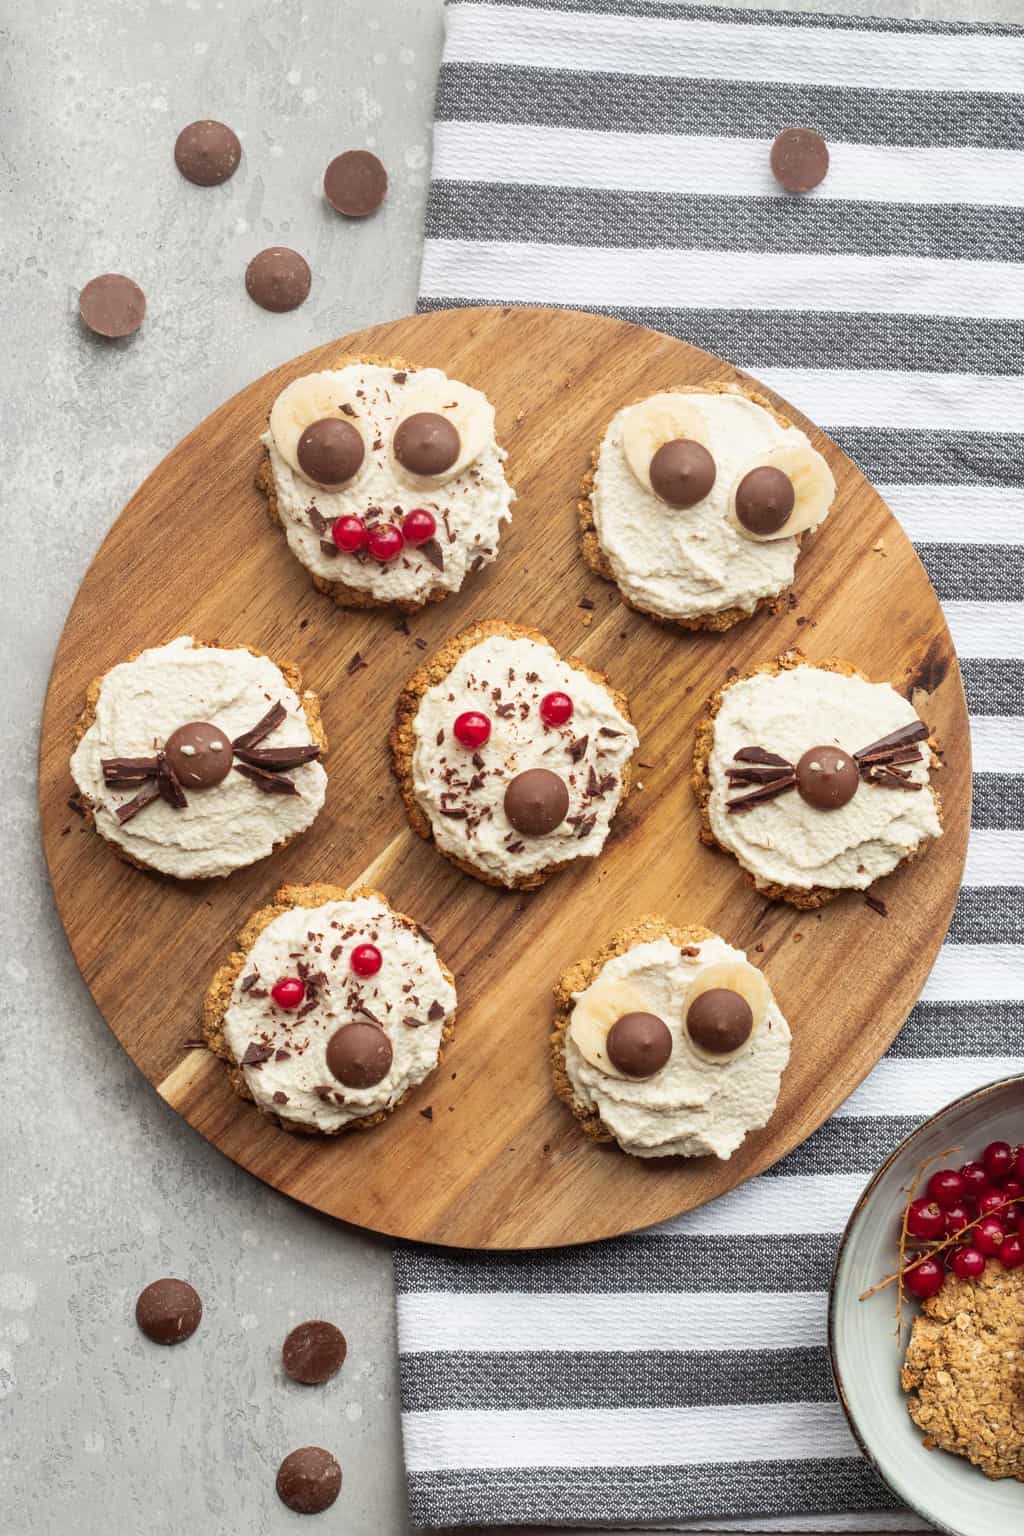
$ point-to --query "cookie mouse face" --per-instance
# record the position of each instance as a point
(388, 481)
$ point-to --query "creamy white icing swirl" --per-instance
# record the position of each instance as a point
(695, 1104)
(319, 940)
(469, 509)
(506, 679)
(229, 825)
(682, 564)
(787, 842)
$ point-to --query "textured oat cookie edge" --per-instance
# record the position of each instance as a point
(217, 998)
(578, 976)
(292, 676)
(595, 557)
(402, 739)
(815, 896)
(339, 592)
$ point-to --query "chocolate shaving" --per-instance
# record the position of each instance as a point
(272, 783)
(762, 793)
(127, 770)
(329, 548)
(593, 783)
(367, 1014)
(346, 409)
(256, 1053)
(248, 982)
(505, 711)
(399, 378)
(890, 778)
(168, 784)
(270, 721)
(435, 1012)
(606, 730)
(432, 551)
(76, 805)
(889, 757)
(280, 1098)
(876, 904)
(282, 1055)
(916, 731)
(440, 737)
(319, 522)
(193, 1045)
(578, 747)
(278, 759)
(428, 1113)
(357, 663)
(477, 760)
(586, 603)
(146, 795)
(454, 812)
(759, 755)
(414, 1023)
(690, 950)
(585, 826)
(323, 1091)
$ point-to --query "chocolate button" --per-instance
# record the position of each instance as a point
(278, 279)
(536, 801)
(426, 443)
(764, 499)
(314, 1352)
(200, 754)
(355, 183)
(719, 1021)
(639, 1044)
(682, 472)
(330, 450)
(827, 778)
(359, 1055)
(309, 1480)
(112, 305)
(799, 159)
(169, 1311)
(207, 153)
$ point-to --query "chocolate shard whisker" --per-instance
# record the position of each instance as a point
(263, 727)
(761, 793)
(168, 784)
(757, 773)
(146, 795)
(272, 783)
(890, 755)
(761, 756)
(127, 770)
(916, 731)
(278, 759)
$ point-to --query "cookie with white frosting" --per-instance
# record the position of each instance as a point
(697, 502)
(814, 778)
(332, 1009)
(668, 1042)
(513, 760)
(387, 481)
(195, 760)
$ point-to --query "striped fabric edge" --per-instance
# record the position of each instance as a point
(684, 10)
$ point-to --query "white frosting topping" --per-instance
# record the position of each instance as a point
(230, 824)
(695, 1104)
(787, 842)
(683, 563)
(469, 509)
(319, 940)
(506, 680)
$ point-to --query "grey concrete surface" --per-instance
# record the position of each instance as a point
(103, 1188)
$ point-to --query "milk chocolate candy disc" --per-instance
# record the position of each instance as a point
(536, 801)
(355, 183)
(278, 279)
(207, 153)
(314, 1352)
(330, 450)
(169, 1311)
(359, 1055)
(719, 1021)
(639, 1044)
(426, 443)
(200, 754)
(827, 778)
(764, 499)
(799, 159)
(682, 472)
(112, 305)
(309, 1480)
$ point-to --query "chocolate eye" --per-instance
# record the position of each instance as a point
(639, 1044)
(330, 451)
(682, 472)
(426, 443)
(764, 499)
(719, 1021)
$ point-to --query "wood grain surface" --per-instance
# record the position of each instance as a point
(501, 1163)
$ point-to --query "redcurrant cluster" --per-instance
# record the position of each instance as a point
(991, 1189)
(384, 541)
(473, 729)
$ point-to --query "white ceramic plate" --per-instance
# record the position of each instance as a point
(866, 1360)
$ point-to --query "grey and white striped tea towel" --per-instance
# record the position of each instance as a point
(613, 155)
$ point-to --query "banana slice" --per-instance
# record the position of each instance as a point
(652, 423)
(301, 403)
(759, 511)
(593, 1016)
(466, 409)
(720, 1028)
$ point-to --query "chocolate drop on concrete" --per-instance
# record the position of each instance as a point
(309, 1480)
(278, 279)
(799, 159)
(169, 1311)
(355, 183)
(207, 152)
(314, 1352)
(112, 305)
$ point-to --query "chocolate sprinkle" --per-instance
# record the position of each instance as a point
(357, 663)
(317, 520)
(329, 549)
(256, 1053)
(280, 1098)
(248, 981)
(433, 552)
(876, 904)
(435, 1012)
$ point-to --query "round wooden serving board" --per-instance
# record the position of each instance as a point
(501, 1163)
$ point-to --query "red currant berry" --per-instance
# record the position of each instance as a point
(418, 526)
(288, 991)
(975, 1179)
(991, 1200)
(349, 533)
(556, 709)
(1013, 1189)
(968, 1263)
(926, 1279)
(947, 1187)
(957, 1216)
(988, 1236)
(1011, 1215)
(925, 1219)
(385, 542)
(997, 1160)
(472, 729)
(1011, 1254)
(366, 960)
